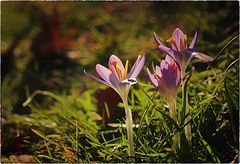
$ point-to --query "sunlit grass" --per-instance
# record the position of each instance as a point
(62, 122)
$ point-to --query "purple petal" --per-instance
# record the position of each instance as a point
(169, 59)
(194, 40)
(202, 56)
(182, 58)
(158, 71)
(158, 41)
(168, 75)
(162, 48)
(98, 79)
(103, 72)
(177, 56)
(178, 35)
(152, 79)
(186, 56)
(113, 80)
(167, 51)
(137, 67)
(164, 65)
(107, 75)
(163, 87)
(134, 65)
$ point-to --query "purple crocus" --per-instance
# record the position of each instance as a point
(166, 78)
(118, 78)
(180, 51)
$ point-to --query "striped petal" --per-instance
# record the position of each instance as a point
(107, 75)
(167, 51)
(178, 35)
(152, 79)
(157, 40)
(202, 56)
(97, 79)
(194, 40)
(137, 67)
(169, 76)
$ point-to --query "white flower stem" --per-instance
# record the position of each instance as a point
(173, 109)
(129, 125)
(173, 114)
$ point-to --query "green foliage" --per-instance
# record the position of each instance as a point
(63, 123)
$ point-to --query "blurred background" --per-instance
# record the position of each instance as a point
(47, 45)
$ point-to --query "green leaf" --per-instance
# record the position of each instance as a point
(40, 134)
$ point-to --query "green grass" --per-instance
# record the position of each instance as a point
(62, 122)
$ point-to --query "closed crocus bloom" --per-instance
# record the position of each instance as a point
(166, 78)
(180, 51)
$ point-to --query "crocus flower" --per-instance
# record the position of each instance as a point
(182, 54)
(166, 78)
(118, 78)
(180, 51)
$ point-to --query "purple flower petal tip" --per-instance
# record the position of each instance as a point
(152, 79)
(194, 40)
(157, 40)
(137, 67)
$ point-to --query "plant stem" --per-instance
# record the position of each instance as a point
(187, 128)
(173, 114)
(129, 125)
(173, 109)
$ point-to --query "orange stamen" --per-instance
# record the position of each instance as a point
(172, 40)
(181, 44)
(118, 70)
(185, 38)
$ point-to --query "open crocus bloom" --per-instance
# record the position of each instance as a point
(117, 76)
(166, 78)
(180, 51)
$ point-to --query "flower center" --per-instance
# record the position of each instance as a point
(183, 43)
(121, 74)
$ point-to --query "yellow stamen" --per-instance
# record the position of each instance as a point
(125, 70)
(185, 38)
